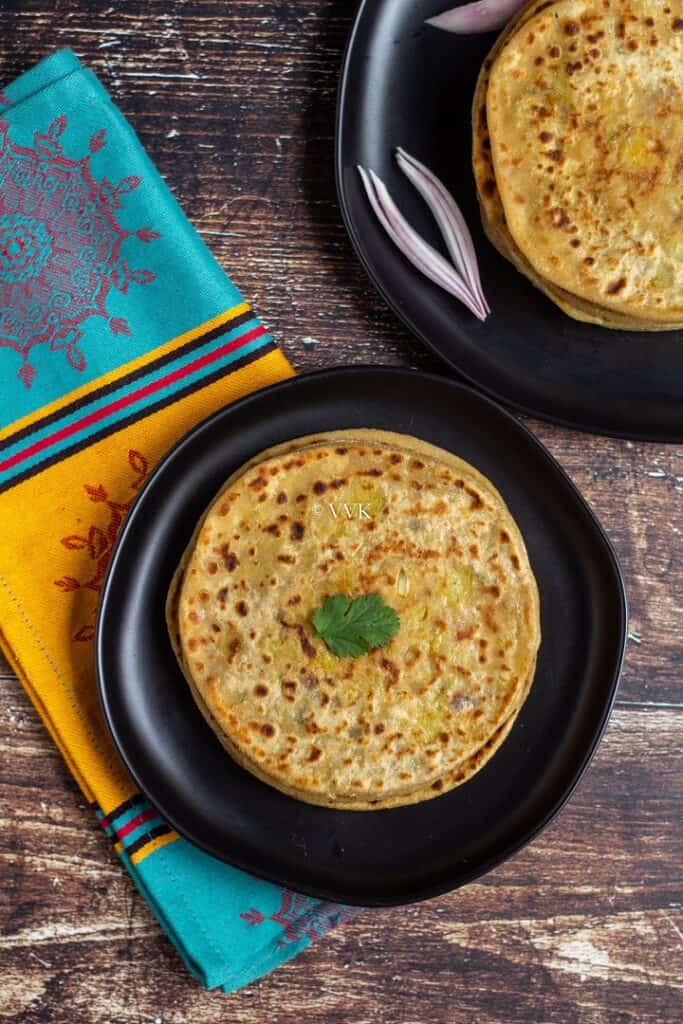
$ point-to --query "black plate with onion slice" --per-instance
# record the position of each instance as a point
(407, 84)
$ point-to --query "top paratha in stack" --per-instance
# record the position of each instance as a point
(578, 156)
(435, 540)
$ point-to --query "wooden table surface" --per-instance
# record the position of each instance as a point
(235, 103)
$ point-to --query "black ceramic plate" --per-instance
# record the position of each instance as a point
(383, 857)
(404, 84)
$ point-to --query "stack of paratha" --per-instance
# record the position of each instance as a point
(578, 156)
(353, 513)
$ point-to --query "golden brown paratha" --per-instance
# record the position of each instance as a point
(435, 539)
(578, 157)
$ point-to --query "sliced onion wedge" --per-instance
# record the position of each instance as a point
(449, 217)
(420, 253)
(481, 16)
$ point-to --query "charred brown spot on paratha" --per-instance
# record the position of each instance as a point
(230, 559)
(306, 646)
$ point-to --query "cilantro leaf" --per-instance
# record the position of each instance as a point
(351, 628)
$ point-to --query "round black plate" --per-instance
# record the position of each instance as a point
(383, 857)
(410, 85)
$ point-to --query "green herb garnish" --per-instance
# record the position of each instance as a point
(353, 627)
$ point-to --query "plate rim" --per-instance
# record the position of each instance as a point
(404, 318)
(418, 892)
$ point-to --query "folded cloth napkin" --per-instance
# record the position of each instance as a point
(118, 332)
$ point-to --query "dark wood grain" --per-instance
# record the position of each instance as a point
(235, 103)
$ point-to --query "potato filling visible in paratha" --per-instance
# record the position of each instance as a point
(357, 513)
(578, 156)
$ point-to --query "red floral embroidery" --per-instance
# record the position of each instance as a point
(301, 916)
(98, 542)
(253, 916)
(61, 246)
